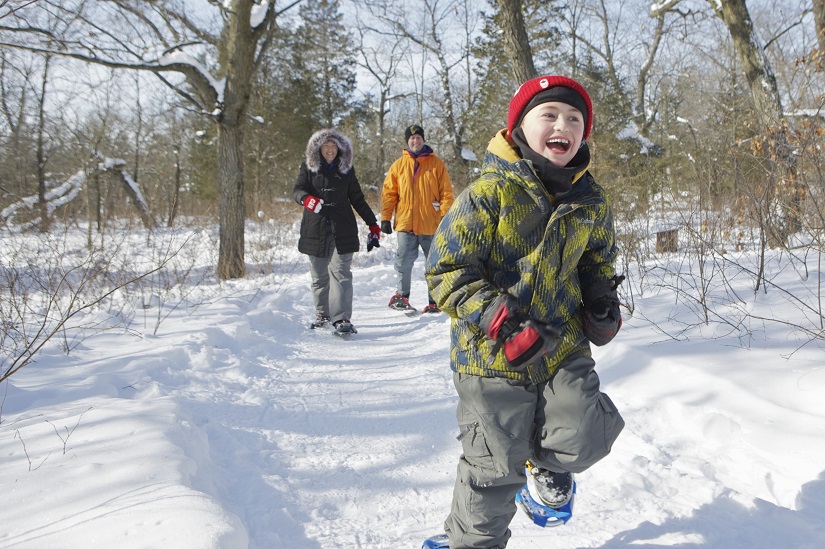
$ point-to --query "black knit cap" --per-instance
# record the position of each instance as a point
(561, 94)
(413, 130)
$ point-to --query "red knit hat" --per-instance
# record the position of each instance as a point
(530, 89)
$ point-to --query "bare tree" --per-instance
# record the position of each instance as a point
(516, 42)
(622, 49)
(434, 39)
(606, 48)
(779, 163)
(757, 70)
(166, 38)
(382, 64)
(41, 149)
(819, 24)
(15, 95)
(641, 113)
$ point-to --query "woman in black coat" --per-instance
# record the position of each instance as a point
(329, 190)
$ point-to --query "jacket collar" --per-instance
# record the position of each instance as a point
(425, 151)
(503, 146)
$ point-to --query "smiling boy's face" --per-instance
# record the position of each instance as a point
(554, 130)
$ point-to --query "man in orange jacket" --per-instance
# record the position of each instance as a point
(418, 189)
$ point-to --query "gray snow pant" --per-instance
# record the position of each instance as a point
(332, 284)
(564, 424)
(405, 257)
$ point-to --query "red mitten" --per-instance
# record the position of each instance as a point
(523, 340)
(313, 203)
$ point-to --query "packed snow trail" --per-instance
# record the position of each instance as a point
(352, 442)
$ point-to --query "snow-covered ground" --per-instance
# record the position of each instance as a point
(235, 426)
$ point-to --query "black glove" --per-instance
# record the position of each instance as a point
(386, 227)
(523, 340)
(602, 316)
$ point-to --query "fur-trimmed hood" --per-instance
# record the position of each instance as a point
(313, 152)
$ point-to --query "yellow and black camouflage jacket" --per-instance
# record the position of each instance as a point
(505, 234)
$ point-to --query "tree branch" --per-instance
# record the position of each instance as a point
(194, 76)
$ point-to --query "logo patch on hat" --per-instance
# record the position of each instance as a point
(567, 91)
(415, 129)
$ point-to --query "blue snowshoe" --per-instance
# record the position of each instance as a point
(439, 541)
(547, 498)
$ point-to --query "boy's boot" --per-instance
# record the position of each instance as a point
(553, 489)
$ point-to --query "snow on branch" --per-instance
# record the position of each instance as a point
(63, 193)
(55, 197)
(631, 132)
(662, 7)
(133, 191)
(178, 58)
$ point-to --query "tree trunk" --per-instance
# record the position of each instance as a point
(130, 186)
(173, 210)
(758, 73)
(45, 221)
(784, 191)
(449, 109)
(640, 110)
(98, 205)
(819, 24)
(231, 197)
(516, 42)
(239, 54)
(383, 102)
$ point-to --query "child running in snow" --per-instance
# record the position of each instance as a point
(524, 264)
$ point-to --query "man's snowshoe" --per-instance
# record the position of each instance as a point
(344, 328)
(439, 541)
(547, 498)
(431, 308)
(400, 303)
(319, 322)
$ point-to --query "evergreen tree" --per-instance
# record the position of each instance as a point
(287, 109)
(359, 126)
(305, 83)
(323, 51)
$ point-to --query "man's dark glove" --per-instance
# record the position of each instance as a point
(523, 340)
(602, 316)
(386, 227)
